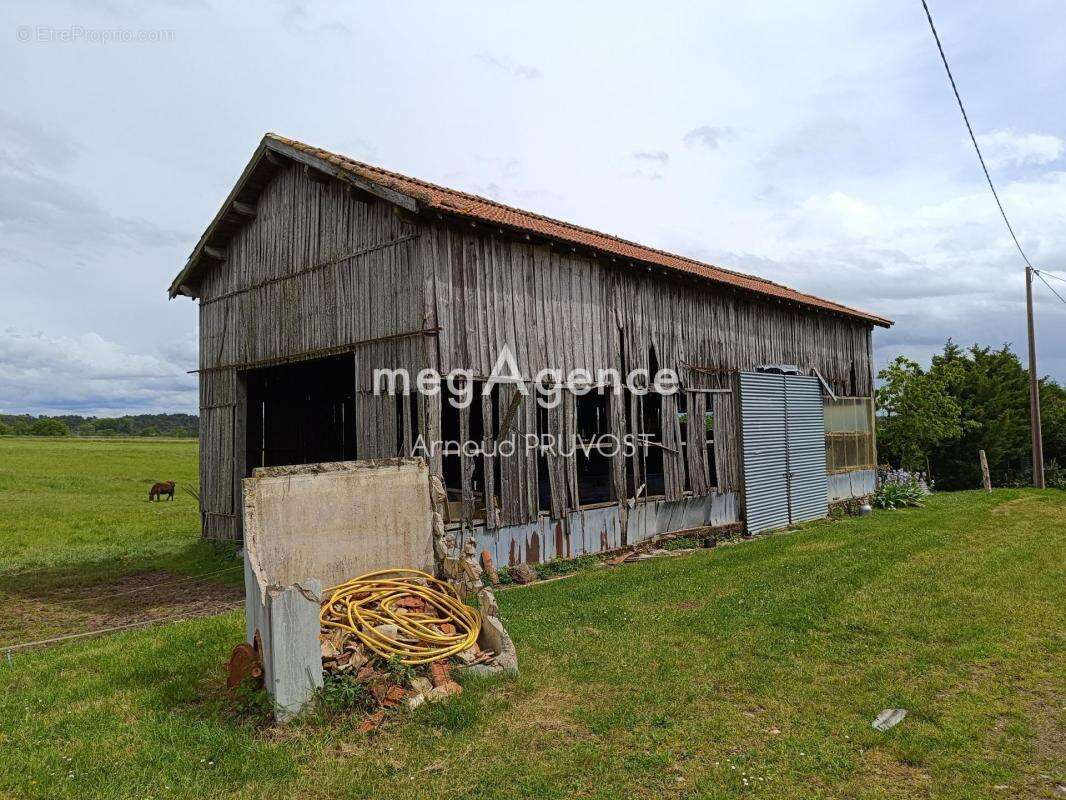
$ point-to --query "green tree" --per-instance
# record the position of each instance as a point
(992, 390)
(5, 429)
(48, 426)
(917, 413)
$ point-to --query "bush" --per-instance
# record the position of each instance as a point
(49, 427)
(5, 429)
(898, 489)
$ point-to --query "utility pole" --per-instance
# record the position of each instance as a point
(1034, 388)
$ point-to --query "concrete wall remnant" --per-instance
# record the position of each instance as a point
(335, 521)
(309, 527)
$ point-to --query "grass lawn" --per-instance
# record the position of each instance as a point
(752, 670)
(74, 514)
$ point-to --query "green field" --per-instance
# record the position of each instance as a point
(75, 502)
(744, 671)
(75, 519)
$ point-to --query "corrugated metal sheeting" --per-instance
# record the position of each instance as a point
(763, 432)
(783, 431)
(805, 422)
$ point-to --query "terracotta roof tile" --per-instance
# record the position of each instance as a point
(481, 209)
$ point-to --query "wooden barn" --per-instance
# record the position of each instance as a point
(318, 269)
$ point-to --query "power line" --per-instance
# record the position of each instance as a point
(973, 138)
(1052, 275)
(1040, 275)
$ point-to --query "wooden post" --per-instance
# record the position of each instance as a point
(1034, 388)
(985, 478)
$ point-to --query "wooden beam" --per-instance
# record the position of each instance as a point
(316, 175)
(274, 159)
(214, 252)
(243, 209)
(359, 195)
(342, 175)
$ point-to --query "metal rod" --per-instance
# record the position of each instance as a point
(1034, 388)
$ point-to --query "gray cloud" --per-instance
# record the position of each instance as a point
(709, 136)
(36, 201)
(658, 156)
(28, 146)
(504, 64)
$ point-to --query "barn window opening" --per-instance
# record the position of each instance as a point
(492, 435)
(681, 402)
(708, 427)
(476, 435)
(592, 464)
(652, 452)
(414, 422)
(401, 423)
(630, 454)
(300, 413)
(849, 440)
(451, 464)
(651, 419)
(544, 490)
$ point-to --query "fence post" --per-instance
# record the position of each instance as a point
(985, 478)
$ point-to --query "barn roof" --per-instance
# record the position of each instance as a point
(419, 196)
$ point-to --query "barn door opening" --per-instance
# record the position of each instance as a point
(301, 413)
(783, 450)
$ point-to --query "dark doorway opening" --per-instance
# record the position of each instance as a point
(593, 466)
(301, 413)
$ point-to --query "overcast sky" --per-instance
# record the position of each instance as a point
(817, 144)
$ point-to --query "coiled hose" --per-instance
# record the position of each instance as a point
(363, 604)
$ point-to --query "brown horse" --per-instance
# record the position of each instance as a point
(158, 490)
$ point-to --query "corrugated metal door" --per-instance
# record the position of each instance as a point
(765, 457)
(783, 449)
(808, 487)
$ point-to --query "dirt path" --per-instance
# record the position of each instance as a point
(141, 597)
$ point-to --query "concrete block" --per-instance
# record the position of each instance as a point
(494, 637)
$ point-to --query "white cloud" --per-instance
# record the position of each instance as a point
(871, 198)
(89, 374)
(1007, 148)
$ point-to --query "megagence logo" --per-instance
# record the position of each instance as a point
(548, 385)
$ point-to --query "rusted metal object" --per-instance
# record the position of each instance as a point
(246, 664)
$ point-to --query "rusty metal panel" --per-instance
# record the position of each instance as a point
(848, 485)
(596, 530)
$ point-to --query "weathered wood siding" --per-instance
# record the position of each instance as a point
(567, 310)
(318, 271)
(557, 308)
(321, 270)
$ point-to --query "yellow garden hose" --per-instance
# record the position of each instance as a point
(361, 605)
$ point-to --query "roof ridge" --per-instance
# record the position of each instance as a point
(759, 284)
(544, 217)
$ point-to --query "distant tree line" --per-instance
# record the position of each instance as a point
(170, 425)
(970, 399)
